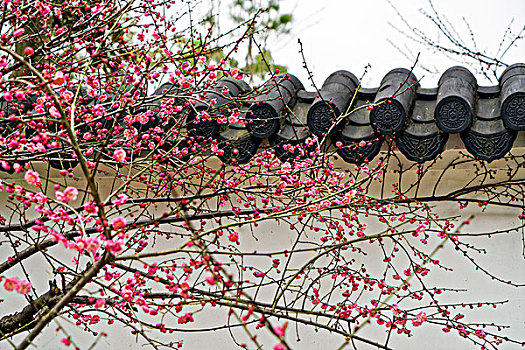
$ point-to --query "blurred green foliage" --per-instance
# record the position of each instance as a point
(271, 25)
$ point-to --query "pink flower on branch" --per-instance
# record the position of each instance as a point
(32, 178)
(185, 319)
(115, 247)
(40, 197)
(8, 96)
(280, 330)
(119, 155)
(69, 195)
(420, 318)
(20, 95)
(118, 223)
(233, 237)
(100, 303)
(54, 112)
(90, 244)
(121, 199)
(18, 32)
(59, 78)
(10, 284)
(21, 287)
(210, 279)
(91, 208)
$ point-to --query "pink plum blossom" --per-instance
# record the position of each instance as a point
(420, 318)
(24, 287)
(90, 208)
(59, 78)
(69, 194)
(185, 319)
(121, 199)
(100, 303)
(115, 247)
(32, 178)
(210, 279)
(118, 223)
(8, 96)
(119, 155)
(54, 112)
(18, 32)
(233, 237)
(40, 197)
(11, 283)
(91, 244)
(280, 330)
(20, 95)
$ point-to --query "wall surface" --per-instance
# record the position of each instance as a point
(505, 258)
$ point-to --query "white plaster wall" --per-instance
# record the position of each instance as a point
(504, 258)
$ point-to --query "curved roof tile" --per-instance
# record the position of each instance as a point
(356, 118)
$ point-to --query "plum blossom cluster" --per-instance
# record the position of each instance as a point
(68, 195)
(14, 284)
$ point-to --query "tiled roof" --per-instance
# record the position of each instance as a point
(419, 120)
(355, 119)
